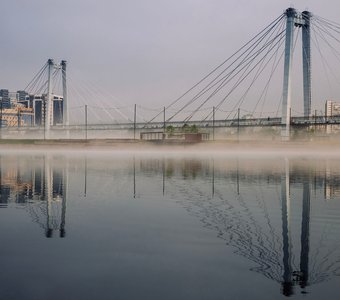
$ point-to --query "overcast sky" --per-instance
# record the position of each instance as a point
(141, 51)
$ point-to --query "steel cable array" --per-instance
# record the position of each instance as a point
(242, 82)
(246, 67)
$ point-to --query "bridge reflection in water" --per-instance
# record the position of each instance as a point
(246, 215)
(40, 186)
(282, 215)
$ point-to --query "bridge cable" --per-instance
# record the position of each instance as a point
(241, 79)
(324, 30)
(248, 59)
(227, 79)
(259, 71)
(240, 102)
(324, 62)
(278, 44)
(265, 90)
(322, 36)
(274, 67)
(245, 68)
(220, 65)
(38, 74)
(37, 82)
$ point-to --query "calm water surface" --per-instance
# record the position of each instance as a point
(94, 226)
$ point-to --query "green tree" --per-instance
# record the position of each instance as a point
(170, 129)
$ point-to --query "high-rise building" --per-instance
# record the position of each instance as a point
(16, 117)
(21, 109)
(39, 106)
(21, 95)
(4, 99)
(332, 108)
(57, 110)
(39, 110)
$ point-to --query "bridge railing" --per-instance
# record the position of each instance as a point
(241, 122)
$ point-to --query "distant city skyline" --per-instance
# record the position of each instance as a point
(146, 52)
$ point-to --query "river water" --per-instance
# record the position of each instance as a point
(165, 226)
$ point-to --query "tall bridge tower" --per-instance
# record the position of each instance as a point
(296, 19)
(49, 101)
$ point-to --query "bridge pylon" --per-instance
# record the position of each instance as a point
(49, 100)
(294, 18)
(49, 106)
(306, 60)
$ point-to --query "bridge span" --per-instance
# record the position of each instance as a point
(244, 81)
(219, 129)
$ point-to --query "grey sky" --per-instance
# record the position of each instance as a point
(142, 51)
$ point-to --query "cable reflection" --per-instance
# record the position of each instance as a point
(248, 222)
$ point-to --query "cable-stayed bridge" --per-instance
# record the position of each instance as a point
(237, 93)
